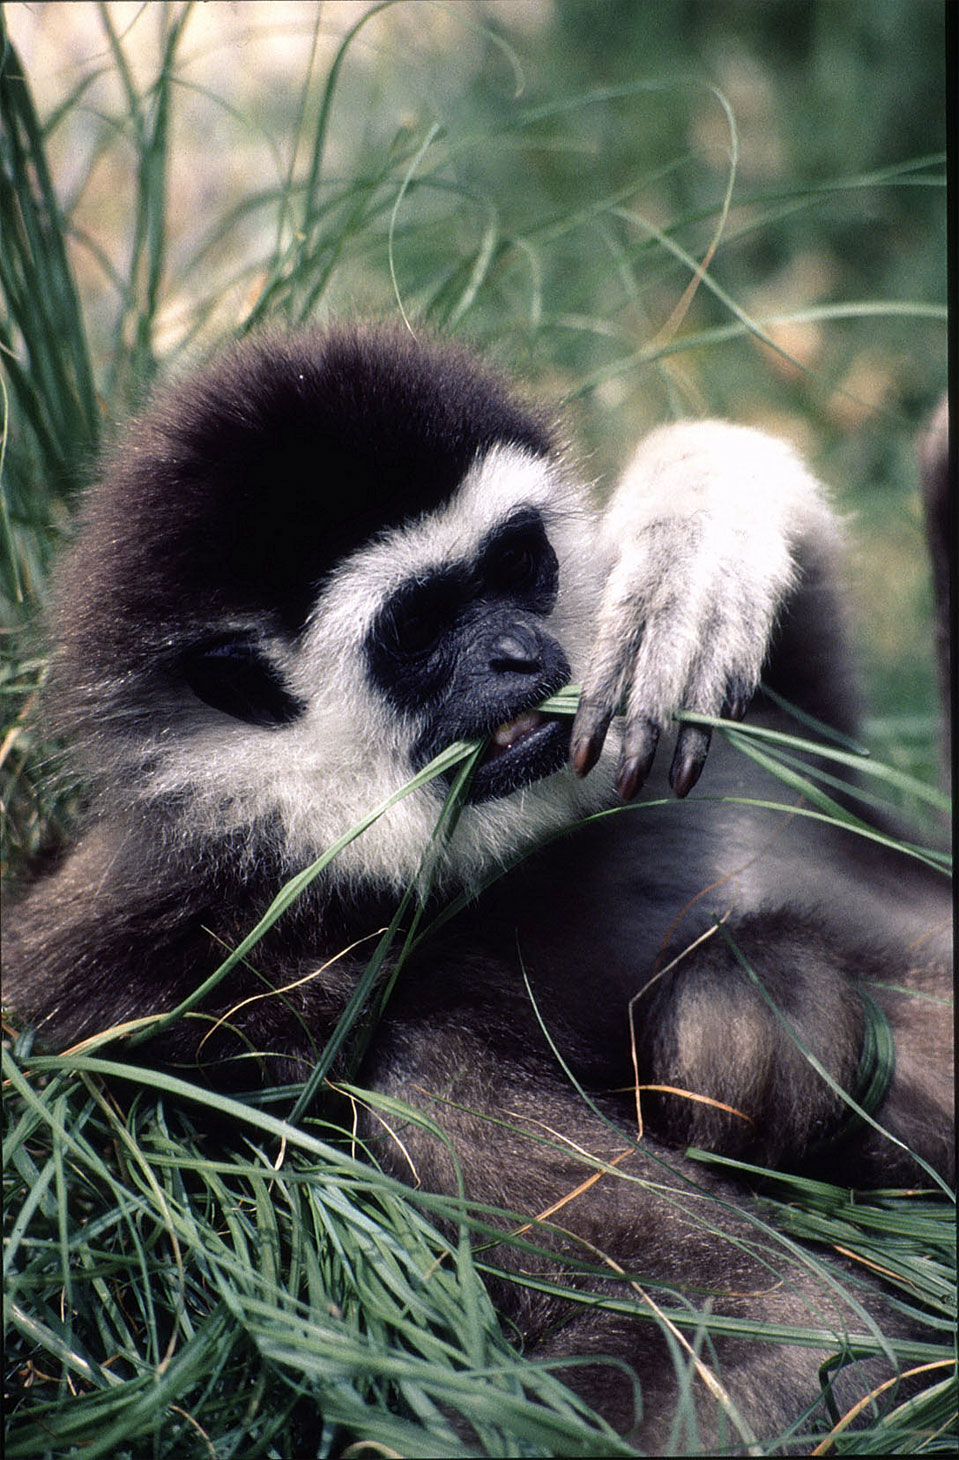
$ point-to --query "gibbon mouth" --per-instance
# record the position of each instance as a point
(520, 751)
(505, 736)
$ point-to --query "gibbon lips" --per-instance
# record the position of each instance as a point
(505, 736)
(518, 752)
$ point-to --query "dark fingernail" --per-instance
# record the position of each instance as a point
(585, 753)
(683, 778)
(588, 735)
(737, 699)
(639, 750)
(692, 748)
(630, 777)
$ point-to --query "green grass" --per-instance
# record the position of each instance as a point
(172, 1293)
(263, 1300)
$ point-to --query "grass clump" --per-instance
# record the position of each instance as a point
(270, 1299)
(190, 1274)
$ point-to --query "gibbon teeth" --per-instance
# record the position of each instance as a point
(506, 735)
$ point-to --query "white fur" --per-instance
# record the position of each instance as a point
(701, 536)
(672, 593)
(350, 751)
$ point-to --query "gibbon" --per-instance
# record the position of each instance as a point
(304, 572)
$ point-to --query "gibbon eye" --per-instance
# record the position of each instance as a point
(417, 632)
(517, 560)
(514, 565)
(235, 677)
(420, 616)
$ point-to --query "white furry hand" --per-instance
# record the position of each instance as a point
(701, 533)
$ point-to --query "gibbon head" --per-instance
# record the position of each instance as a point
(304, 572)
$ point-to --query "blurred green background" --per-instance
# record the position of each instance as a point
(542, 176)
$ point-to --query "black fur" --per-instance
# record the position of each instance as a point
(232, 675)
(468, 644)
(263, 473)
(427, 630)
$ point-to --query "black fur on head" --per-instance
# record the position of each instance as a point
(302, 447)
(216, 656)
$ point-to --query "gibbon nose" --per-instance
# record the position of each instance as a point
(517, 650)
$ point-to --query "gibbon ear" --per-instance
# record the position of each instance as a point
(234, 676)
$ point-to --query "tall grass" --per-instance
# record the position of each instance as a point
(268, 1300)
(172, 1295)
(272, 1294)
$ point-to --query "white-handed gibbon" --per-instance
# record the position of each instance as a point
(304, 572)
